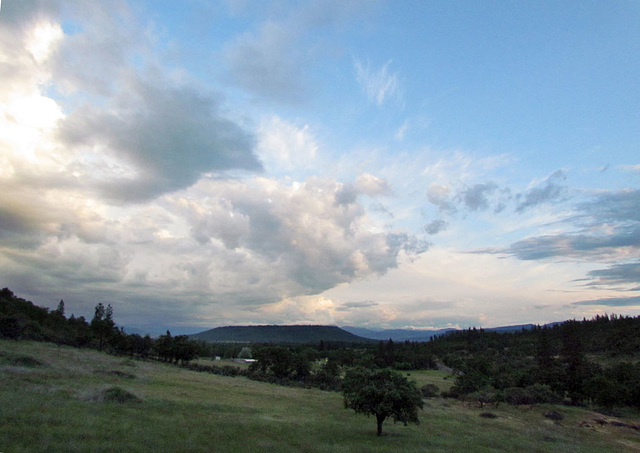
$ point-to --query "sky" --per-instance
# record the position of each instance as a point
(382, 164)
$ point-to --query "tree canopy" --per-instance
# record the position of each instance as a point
(383, 393)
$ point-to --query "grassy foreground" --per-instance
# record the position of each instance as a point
(55, 398)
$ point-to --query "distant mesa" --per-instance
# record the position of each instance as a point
(305, 334)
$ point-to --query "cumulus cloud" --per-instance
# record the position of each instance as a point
(379, 84)
(367, 184)
(297, 232)
(127, 134)
(169, 135)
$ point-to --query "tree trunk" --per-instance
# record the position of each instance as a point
(380, 419)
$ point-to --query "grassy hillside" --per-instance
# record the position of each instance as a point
(56, 398)
(279, 334)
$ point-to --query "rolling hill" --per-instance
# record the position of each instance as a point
(278, 334)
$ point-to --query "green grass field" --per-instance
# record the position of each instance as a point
(53, 399)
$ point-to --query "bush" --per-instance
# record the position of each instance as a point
(517, 396)
(486, 395)
(429, 390)
(533, 394)
(118, 395)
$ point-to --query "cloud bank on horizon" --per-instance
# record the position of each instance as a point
(369, 163)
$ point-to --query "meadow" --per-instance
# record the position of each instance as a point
(58, 398)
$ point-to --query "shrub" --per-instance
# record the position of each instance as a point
(517, 396)
(486, 395)
(119, 395)
(429, 390)
(533, 394)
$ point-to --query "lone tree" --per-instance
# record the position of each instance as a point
(383, 393)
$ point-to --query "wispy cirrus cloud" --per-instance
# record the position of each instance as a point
(379, 84)
(270, 62)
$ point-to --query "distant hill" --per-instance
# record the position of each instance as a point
(424, 335)
(278, 334)
(397, 334)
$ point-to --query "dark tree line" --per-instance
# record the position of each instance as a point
(21, 319)
(577, 362)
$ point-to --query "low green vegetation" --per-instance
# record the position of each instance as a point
(66, 402)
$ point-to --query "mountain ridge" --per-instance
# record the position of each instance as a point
(311, 333)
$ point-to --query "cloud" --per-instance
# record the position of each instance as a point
(297, 233)
(268, 63)
(275, 60)
(286, 146)
(439, 195)
(578, 246)
(620, 208)
(435, 227)
(609, 230)
(631, 168)
(349, 306)
(125, 134)
(380, 85)
(366, 184)
(169, 136)
(612, 302)
(618, 274)
(475, 197)
(551, 189)
(370, 185)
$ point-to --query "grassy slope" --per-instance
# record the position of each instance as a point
(52, 407)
